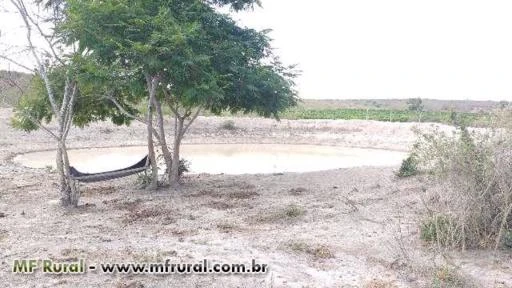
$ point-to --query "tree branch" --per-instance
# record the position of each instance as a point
(69, 110)
(128, 114)
(20, 6)
(196, 114)
(40, 125)
(46, 38)
(16, 63)
(174, 110)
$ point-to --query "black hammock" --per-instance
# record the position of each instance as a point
(109, 175)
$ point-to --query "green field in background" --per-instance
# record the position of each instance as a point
(387, 115)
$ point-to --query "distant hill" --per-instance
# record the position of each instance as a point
(11, 86)
(401, 104)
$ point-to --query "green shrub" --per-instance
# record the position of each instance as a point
(507, 239)
(408, 168)
(440, 229)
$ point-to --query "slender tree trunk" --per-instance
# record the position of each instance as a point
(178, 136)
(152, 83)
(64, 198)
(163, 142)
(74, 194)
(69, 196)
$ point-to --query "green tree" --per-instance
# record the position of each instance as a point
(185, 55)
(69, 88)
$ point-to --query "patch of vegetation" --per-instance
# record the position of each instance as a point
(472, 119)
(137, 215)
(294, 211)
(472, 174)
(184, 166)
(220, 205)
(298, 191)
(507, 239)
(143, 179)
(226, 227)
(228, 125)
(126, 283)
(317, 251)
(379, 284)
(408, 168)
(440, 229)
(290, 212)
(243, 194)
(446, 277)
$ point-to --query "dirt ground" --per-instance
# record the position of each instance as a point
(355, 227)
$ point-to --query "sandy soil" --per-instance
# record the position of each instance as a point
(353, 227)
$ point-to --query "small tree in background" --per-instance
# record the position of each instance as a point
(416, 105)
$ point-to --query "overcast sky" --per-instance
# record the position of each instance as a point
(444, 49)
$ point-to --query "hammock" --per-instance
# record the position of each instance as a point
(109, 175)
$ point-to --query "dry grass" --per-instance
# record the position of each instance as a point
(143, 214)
(446, 277)
(298, 191)
(288, 213)
(219, 205)
(120, 204)
(379, 284)
(3, 234)
(226, 227)
(317, 251)
(203, 193)
(103, 190)
(129, 284)
(242, 194)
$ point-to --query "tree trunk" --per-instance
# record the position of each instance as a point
(69, 196)
(65, 199)
(151, 151)
(163, 142)
(151, 83)
(178, 136)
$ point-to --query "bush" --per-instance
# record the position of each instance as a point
(408, 168)
(473, 173)
(440, 229)
(184, 165)
(228, 125)
(507, 239)
(144, 179)
(446, 277)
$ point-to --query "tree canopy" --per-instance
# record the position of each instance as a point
(202, 57)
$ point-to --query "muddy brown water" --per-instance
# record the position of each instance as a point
(227, 158)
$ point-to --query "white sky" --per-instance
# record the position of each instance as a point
(443, 49)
